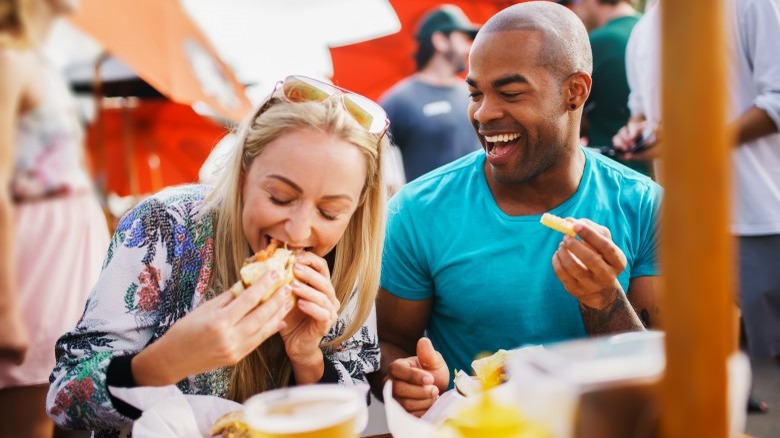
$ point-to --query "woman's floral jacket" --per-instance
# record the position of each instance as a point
(156, 271)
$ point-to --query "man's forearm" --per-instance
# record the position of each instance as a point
(390, 352)
(616, 317)
(753, 124)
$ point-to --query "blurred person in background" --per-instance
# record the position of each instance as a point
(754, 91)
(428, 109)
(305, 172)
(609, 24)
(53, 231)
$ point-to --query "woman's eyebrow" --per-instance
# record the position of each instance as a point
(285, 180)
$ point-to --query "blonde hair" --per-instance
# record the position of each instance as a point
(357, 254)
(15, 23)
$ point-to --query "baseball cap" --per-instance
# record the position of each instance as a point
(445, 18)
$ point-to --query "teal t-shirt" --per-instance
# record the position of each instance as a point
(490, 275)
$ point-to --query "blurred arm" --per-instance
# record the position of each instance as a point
(13, 339)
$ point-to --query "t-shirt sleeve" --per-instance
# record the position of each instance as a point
(404, 270)
(646, 262)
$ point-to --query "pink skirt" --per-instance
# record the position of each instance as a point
(59, 251)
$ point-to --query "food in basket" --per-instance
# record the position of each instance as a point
(489, 417)
(232, 425)
(565, 226)
(273, 257)
(489, 372)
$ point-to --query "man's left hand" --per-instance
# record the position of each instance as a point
(589, 268)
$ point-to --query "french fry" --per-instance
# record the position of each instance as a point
(558, 224)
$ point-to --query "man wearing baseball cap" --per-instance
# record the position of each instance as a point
(427, 110)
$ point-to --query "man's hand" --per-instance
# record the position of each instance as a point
(588, 269)
(627, 138)
(418, 380)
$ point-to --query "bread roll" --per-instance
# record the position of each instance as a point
(282, 260)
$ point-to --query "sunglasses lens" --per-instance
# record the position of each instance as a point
(367, 113)
(300, 89)
(370, 115)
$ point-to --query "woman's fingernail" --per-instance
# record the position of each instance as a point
(286, 290)
(274, 275)
(288, 305)
(297, 284)
(299, 267)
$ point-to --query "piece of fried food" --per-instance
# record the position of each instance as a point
(559, 224)
(489, 372)
(232, 425)
(272, 257)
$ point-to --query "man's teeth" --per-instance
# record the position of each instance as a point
(501, 137)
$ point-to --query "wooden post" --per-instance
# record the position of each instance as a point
(696, 247)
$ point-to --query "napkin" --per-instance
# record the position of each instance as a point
(168, 413)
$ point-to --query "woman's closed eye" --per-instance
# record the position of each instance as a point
(278, 201)
(328, 215)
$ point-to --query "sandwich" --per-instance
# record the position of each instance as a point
(232, 425)
(273, 257)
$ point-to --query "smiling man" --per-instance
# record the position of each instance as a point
(466, 260)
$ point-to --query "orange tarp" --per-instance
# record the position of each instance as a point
(166, 48)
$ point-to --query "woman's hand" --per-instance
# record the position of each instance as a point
(311, 319)
(218, 333)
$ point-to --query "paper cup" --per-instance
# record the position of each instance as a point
(311, 411)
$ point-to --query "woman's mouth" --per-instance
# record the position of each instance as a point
(500, 145)
(283, 244)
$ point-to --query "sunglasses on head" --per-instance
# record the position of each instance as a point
(366, 112)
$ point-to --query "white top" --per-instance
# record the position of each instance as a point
(643, 67)
(49, 154)
(754, 35)
(755, 81)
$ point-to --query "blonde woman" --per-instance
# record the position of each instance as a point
(306, 172)
(53, 235)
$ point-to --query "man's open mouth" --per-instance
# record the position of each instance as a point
(501, 144)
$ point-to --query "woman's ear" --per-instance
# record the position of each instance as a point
(576, 90)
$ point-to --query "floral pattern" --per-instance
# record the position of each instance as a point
(157, 269)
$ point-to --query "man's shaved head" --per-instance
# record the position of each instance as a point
(566, 47)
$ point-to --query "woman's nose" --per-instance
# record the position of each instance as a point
(299, 225)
